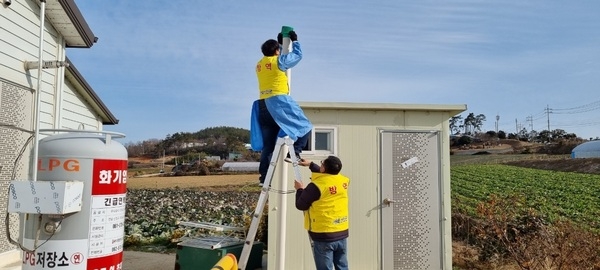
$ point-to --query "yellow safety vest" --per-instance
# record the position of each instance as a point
(330, 212)
(271, 80)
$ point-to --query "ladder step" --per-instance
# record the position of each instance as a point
(264, 195)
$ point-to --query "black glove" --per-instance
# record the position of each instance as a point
(293, 36)
(280, 38)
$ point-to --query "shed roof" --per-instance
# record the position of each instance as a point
(453, 109)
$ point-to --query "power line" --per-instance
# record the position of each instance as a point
(579, 109)
(540, 114)
(530, 120)
(588, 123)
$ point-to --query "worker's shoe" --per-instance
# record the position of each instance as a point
(288, 159)
(261, 180)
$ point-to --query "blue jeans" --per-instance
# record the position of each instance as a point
(331, 255)
(301, 143)
(270, 129)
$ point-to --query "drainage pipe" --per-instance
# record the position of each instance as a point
(38, 93)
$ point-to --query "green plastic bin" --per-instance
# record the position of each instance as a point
(196, 254)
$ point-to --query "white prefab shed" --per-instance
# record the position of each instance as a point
(397, 159)
(66, 100)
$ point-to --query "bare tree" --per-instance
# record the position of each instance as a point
(455, 124)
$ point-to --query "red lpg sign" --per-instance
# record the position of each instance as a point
(110, 177)
(107, 216)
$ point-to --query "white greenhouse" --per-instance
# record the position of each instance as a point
(240, 167)
(589, 149)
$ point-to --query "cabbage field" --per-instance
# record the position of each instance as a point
(553, 194)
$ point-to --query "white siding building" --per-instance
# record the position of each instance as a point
(397, 157)
(66, 100)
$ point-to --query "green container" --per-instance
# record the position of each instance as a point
(194, 255)
(285, 30)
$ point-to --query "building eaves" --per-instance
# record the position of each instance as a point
(69, 22)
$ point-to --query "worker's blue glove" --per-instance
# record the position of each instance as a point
(280, 38)
(293, 36)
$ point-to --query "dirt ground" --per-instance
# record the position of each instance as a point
(580, 165)
(211, 182)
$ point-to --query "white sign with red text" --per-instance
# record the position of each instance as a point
(59, 254)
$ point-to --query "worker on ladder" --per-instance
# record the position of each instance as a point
(275, 113)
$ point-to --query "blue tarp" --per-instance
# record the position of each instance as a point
(286, 113)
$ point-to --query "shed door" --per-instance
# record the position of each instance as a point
(411, 210)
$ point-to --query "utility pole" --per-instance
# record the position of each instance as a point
(530, 120)
(516, 126)
(497, 119)
(548, 112)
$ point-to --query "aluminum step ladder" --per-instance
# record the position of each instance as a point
(264, 195)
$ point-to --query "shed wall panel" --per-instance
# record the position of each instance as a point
(358, 143)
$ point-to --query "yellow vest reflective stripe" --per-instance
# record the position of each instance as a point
(271, 80)
(330, 212)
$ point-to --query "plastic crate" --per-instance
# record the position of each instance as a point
(198, 254)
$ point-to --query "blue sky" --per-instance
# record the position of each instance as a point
(163, 67)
